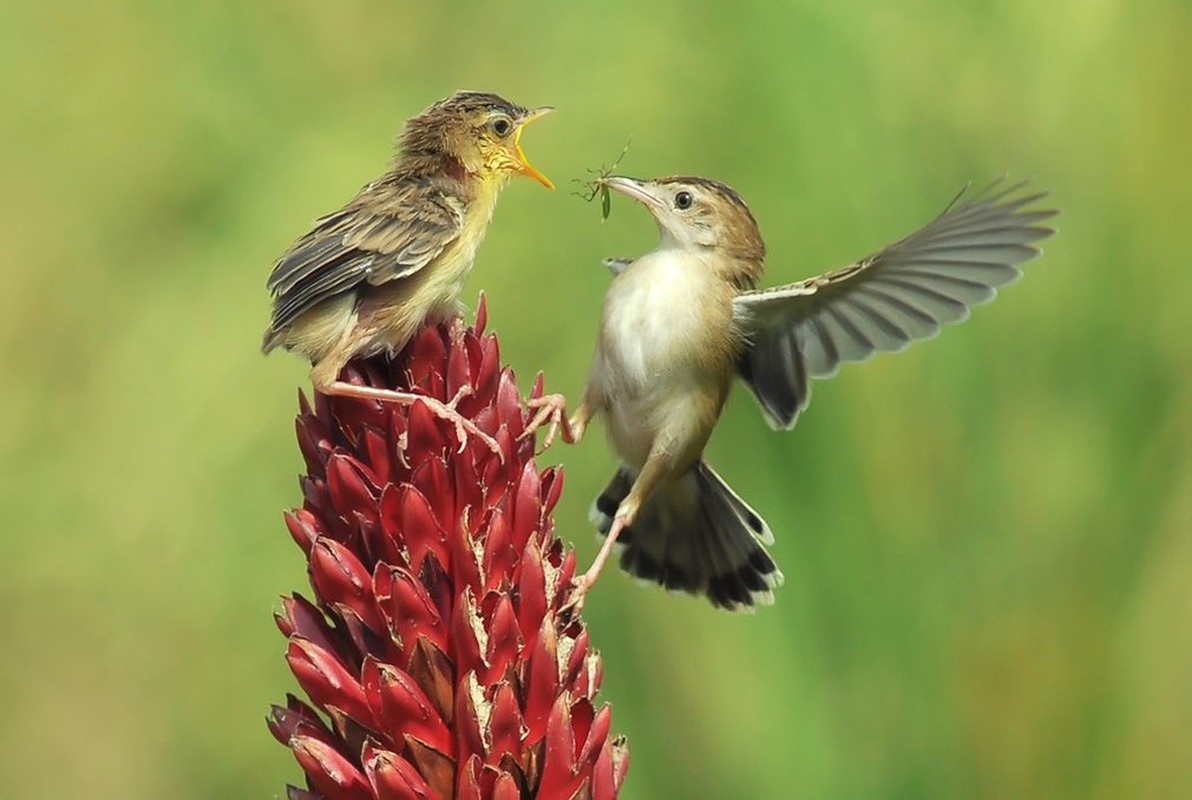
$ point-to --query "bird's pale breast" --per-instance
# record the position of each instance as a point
(666, 326)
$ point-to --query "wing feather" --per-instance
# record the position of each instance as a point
(904, 293)
(389, 231)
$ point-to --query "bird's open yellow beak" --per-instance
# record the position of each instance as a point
(528, 169)
(632, 187)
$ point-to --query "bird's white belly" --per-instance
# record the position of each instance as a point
(651, 333)
(651, 322)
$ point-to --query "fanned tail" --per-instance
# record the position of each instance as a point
(694, 534)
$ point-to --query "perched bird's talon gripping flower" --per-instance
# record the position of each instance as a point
(436, 653)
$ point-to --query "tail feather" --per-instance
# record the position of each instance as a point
(694, 534)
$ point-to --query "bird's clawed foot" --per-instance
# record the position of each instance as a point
(445, 411)
(552, 409)
(574, 605)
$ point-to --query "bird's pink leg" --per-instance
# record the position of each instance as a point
(654, 471)
(445, 411)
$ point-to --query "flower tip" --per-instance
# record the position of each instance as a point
(481, 315)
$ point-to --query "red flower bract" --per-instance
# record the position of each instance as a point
(436, 647)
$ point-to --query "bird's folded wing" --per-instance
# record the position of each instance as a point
(901, 294)
(384, 234)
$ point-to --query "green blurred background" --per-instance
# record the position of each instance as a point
(986, 540)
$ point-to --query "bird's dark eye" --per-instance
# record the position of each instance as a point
(683, 200)
(501, 126)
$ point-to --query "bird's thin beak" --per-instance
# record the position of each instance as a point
(528, 169)
(632, 187)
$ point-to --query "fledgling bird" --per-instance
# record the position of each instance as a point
(679, 322)
(396, 256)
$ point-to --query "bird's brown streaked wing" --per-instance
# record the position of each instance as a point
(375, 239)
(901, 294)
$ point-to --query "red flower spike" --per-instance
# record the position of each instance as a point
(566, 573)
(394, 696)
(504, 641)
(425, 434)
(390, 533)
(471, 716)
(464, 561)
(362, 638)
(458, 377)
(314, 442)
(434, 653)
(304, 528)
(469, 495)
(481, 316)
(509, 405)
(427, 357)
(598, 730)
(296, 717)
(349, 487)
(504, 725)
(299, 618)
(542, 681)
(398, 431)
(469, 780)
(286, 723)
(433, 672)
(377, 453)
(499, 554)
(392, 777)
(577, 662)
(552, 489)
(326, 681)
(527, 507)
(418, 527)
(506, 788)
(340, 579)
(431, 478)
(488, 370)
(560, 774)
(354, 419)
(532, 594)
(437, 768)
(379, 546)
(412, 612)
(314, 493)
(488, 780)
(334, 776)
(404, 703)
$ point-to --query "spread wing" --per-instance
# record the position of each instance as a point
(387, 232)
(901, 294)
